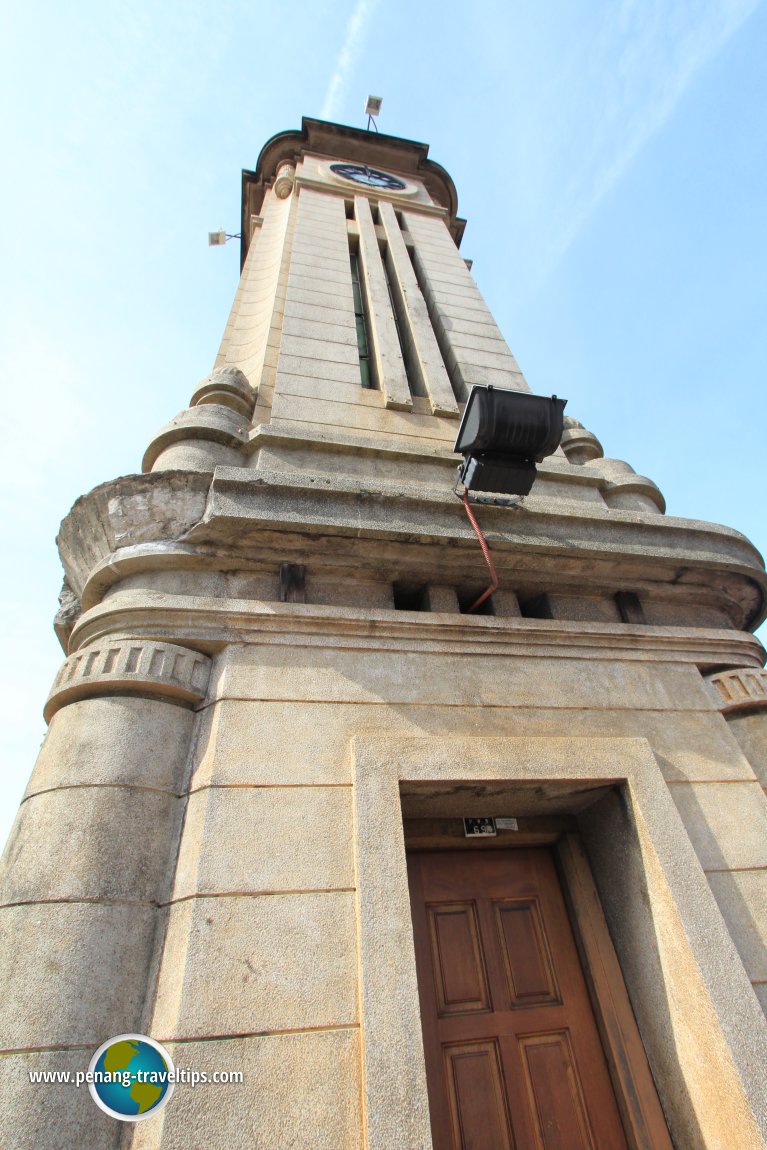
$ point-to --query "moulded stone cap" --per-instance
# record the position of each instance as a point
(226, 387)
(133, 666)
(579, 445)
(739, 689)
(210, 421)
(623, 488)
(286, 178)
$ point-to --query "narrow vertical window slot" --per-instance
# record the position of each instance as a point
(363, 341)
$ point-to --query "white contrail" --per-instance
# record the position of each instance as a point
(355, 29)
(648, 56)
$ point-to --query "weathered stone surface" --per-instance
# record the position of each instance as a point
(249, 840)
(742, 898)
(298, 1090)
(113, 741)
(346, 593)
(243, 742)
(201, 581)
(324, 331)
(55, 1114)
(70, 609)
(506, 604)
(234, 965)
(726, 822)
(442, 598)
(320, 365)
(74, 972)
(760, 989)
(585, 607)
(100, 843)
(751, 734)
(386, 357)
(391, 676)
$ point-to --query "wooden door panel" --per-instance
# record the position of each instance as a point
(505, 1008)
(459, 971)
(527, 960)
(473, 1027)
(477, 1097)
(555, 1093)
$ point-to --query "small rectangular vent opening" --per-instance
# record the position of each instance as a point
(467, 598)
(630, 607)
(410, 597)
(538, 607)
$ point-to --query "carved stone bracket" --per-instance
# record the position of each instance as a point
(742, 689)
(135, 666)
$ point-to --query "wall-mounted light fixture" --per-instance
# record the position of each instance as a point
(503, 434)
(219, 238)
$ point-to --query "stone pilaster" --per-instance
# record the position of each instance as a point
(86, 872)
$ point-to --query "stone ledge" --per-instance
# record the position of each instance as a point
(131, 665)
(264, 515)
(217, 622)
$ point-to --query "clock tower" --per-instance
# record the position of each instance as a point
(399, 819)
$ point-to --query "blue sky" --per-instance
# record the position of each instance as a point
(610, 157)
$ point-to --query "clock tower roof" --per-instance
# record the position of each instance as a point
(338, 141)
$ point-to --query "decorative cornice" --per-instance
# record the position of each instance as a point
(211, 624)
(136, 666)
(741, 689)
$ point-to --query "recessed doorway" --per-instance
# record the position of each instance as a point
(513, 1055)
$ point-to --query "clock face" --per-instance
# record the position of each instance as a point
(370, 177)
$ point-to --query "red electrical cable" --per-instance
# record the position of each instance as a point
(485, 551)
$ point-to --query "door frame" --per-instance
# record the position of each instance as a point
(633, 1085)
(686, 982)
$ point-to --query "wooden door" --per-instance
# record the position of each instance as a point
(513, 1056)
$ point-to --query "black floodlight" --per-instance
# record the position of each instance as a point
(503, 434)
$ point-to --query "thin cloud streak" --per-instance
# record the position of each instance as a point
(651, 54)
(347, 57)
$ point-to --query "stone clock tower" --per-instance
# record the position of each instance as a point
(245, 832)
